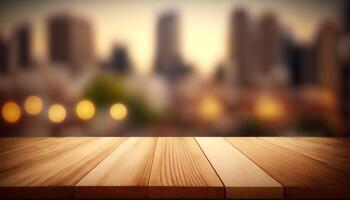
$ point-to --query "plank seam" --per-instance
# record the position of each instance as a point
(75, 185)
(284, 187)
(150, 172)
(222, 182)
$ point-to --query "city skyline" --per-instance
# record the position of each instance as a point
(201, 25)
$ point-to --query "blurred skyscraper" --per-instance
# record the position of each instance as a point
(326, 47)
(70, 40)
(345, 91)
(268, 51)
(346, 16)
(268, 42)
(255, 50)
(300, 60)
(120, 61)
(219, 74)
(21, 45)
(295, 56)
(240, 46)
(345, 62)
(168, 59)
(4, 54)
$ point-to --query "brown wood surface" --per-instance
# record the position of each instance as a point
(242, 178)
(55, 173)
(337, 156)
(343, 142)
(301, 176)
(19, 153)
(14, 143)
(181, 170)
(174, 168)
(123, 174)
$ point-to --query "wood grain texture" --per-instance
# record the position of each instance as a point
(242, 178)
(56, 171)
(12, 143)
(331, 141)
(302, 177)
(337, 156)
(20, 153)
(181, 171)
(123, 174)
(177, 168)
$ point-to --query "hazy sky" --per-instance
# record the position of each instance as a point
(204, 23)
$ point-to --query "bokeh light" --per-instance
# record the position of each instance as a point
(85, 109)
(11, 112)
(269, 108)
(57, 113)
(33, 105)
(118, 111)
(210, 108)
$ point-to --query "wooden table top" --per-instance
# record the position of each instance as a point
(174, 168)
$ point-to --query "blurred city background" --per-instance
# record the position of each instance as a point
(226, 67)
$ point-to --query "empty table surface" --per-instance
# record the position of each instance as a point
(174, 168)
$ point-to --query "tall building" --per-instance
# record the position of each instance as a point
(22, 45)
(345, 91)
(345, 63)
(70, 40)
(220, 74)
(168, 60)
(346, 16)
(268, 52)
(326, 52)
(268, 38)
(299, 59)
(295, 56)
(4, 55)
(240, 46)
(120, 61)
(328, 65)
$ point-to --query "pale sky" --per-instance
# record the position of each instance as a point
(203, 24)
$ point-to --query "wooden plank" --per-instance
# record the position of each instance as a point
(55, 175)
(337, 156)
(242, 178)
(331, 141)
(123, 174)
(302, 177)
(12, 143)
(17, 153)
(180, 170)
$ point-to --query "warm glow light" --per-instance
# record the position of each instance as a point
(57, 113)
(269, 108)
(85, 109)
(11, 112)
(33, 105)
(210, 108)
(118, 111)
